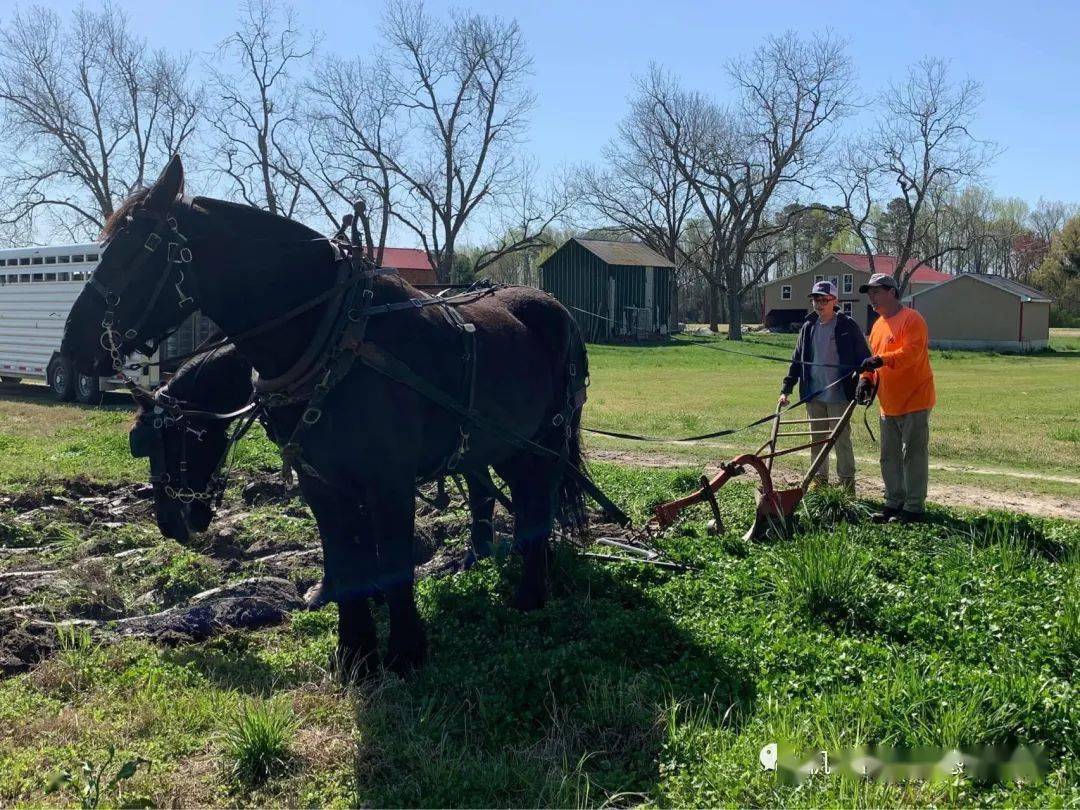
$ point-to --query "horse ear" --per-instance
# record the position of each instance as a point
(168, 187)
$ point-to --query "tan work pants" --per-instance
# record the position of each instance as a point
(905, 459)
(845, 455)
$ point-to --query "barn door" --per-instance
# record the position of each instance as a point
(610, 303)
(650, 298)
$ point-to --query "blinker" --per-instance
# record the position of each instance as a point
(143, 439)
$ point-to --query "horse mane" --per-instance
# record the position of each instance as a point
(219, 379)
(247, 215)
(118, 218)
(243, 217)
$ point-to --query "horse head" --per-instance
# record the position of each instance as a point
(138, 290)
(185, 442)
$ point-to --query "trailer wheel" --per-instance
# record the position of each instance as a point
(88, 389)
(62, 379)
(5, 378)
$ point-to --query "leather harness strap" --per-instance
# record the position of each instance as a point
(393, 368)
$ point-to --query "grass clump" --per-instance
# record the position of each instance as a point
(1068, 620)
(829, 506)
(256, 742)
(184, 575)
(828, 576)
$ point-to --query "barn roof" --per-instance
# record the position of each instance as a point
(624, 254)
(1021, 291)
(884, 263)
(406, 259)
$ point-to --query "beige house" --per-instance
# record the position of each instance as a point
(784, 302)
(975, 311)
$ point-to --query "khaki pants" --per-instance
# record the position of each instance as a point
(905, 459)
(845, 456)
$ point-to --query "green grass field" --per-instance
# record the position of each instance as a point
(633, 686)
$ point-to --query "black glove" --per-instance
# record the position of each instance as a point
(871, 363)
(864, 391)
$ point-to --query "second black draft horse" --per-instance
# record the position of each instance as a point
(184, 433)
(167, 255)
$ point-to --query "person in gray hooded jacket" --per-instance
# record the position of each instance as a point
(830, 347)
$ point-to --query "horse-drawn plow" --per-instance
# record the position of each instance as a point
(775, 507)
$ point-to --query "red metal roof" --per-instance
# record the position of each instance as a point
(412, 264)
(884, 263)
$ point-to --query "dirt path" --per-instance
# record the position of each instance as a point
(960, 495)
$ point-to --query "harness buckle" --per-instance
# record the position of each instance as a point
(130, 334)
(152, 242)
(557, 419)
(178, 253)
(311, 416)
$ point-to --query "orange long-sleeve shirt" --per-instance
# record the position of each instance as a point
(905, 382)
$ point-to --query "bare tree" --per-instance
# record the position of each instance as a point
(86, 108)
(922, 145)
(1048, 217)
(741, 161)
(461, 97)
(258, 143)
(640, 190)
(526, 215)
(354, 139)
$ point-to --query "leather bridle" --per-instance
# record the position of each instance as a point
(177, 254)
(147, 440)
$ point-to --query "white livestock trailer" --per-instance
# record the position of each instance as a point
(38, 286)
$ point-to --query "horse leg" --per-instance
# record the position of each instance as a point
(350, 570)
(533, 487)
(482, 511)
(393, 517)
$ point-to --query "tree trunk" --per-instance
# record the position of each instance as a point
(734, 331)
(714, 308)
(444, 270)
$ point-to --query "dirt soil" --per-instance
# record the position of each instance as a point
(955, 495)
(74, 577)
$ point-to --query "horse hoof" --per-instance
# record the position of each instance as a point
(405, 663)
(528, 602)
(317, 596)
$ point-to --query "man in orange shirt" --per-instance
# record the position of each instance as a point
(900, 368)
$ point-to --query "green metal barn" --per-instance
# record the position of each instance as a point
(615, 290)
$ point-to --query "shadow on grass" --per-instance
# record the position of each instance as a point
(230, 661)
(43, 395)
(571, 705)
(1035, 534)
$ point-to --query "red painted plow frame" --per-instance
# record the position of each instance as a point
(775, 507)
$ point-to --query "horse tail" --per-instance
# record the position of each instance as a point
(570, 507)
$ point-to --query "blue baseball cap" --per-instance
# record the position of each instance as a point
(823, 288)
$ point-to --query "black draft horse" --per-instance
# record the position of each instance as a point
(187, 456)
(167, 254)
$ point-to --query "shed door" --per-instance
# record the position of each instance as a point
(650, 297)
(611, 303)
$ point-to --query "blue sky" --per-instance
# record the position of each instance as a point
(587, 53)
